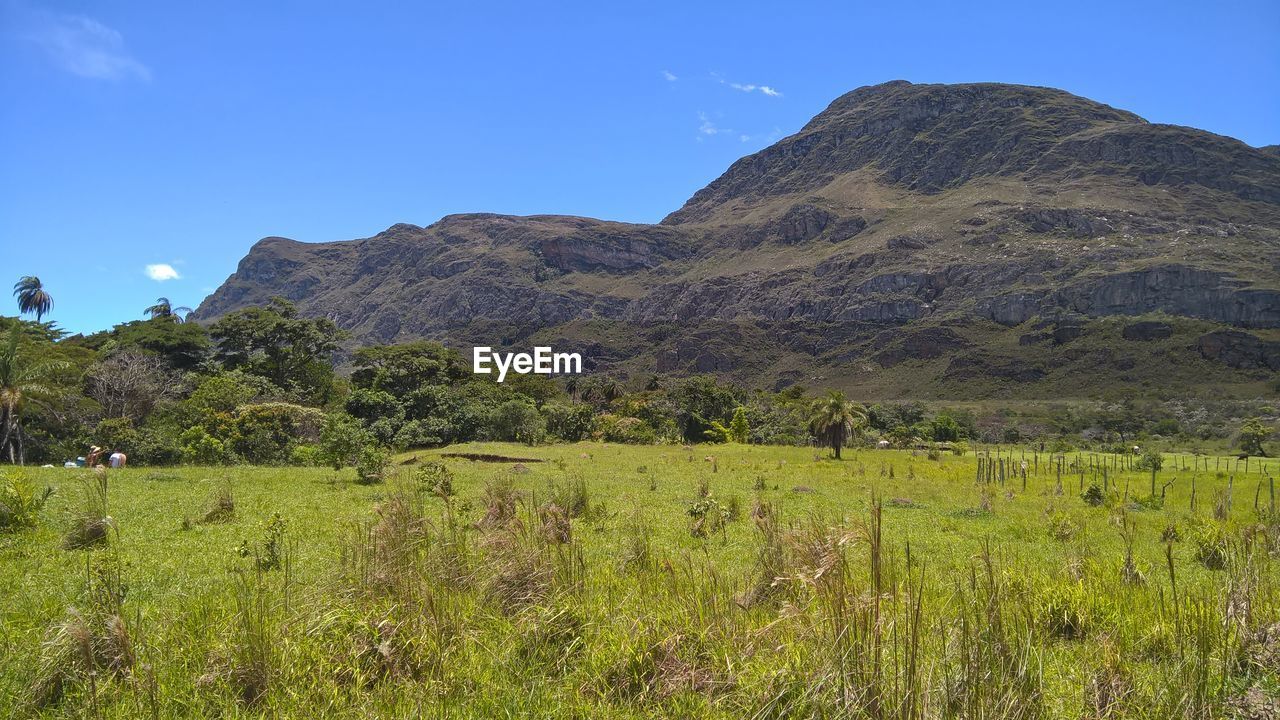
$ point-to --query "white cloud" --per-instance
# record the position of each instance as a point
(85, 47)
(748, 87)
(669, 76)
(160, 272)
(752, 88)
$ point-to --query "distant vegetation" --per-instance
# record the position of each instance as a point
(261, 385)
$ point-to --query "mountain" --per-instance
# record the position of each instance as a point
(928, 240)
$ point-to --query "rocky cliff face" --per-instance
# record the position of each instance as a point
(904, 225)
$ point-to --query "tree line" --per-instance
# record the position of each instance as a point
(262, 385)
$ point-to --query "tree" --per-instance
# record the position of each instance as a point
(274, 343)
(341, 440)
(22, 381)
(183, 345)
(700, 400)
(945, 428)
(833, 419)
(129, 384)
(223, 392)
(519, 421)
(32, 297)
(401, 369)
(1252, 434)
(1124, 418)
(739, 430)
(601, 391)
(569, 422)
(164, 310)
(1153, 461)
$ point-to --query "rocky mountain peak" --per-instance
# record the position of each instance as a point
(933, 138)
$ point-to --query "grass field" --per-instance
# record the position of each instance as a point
(612, 581)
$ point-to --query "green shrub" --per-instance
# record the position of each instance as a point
(307, 456)
(201, 448)
(716, 432)
(634, 431)
(707, 517)
(341, 440)
(1062, 527)
(1150, 460)
(117, 434)
(434, 478)
(20, 503)
(739, 429)
(371, 405)
(371, 465)
(269, 552)
(431, 432)
(156, 446)
(518, 421)
(1093, 495)
(1211, 544)
(265, 434)
(569, 422)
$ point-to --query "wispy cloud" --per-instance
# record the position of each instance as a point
(85, 47)
(748, 87)
(708, 127)
(161, 272)
(752, 88)
(669, 76)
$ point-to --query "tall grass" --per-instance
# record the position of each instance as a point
(581, 589)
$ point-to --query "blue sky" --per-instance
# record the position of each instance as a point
(175, 135)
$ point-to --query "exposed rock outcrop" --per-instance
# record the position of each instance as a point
(1240, 350)
(1147, 330)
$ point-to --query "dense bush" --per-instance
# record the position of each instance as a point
(266, 433)
(611, 428)
(569, 422)
(518, 421)
(372, 462)
(341, 440)
(201, 448)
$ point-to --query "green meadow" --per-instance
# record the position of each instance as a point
(612, 581)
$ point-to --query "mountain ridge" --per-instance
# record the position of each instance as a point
(898, 211)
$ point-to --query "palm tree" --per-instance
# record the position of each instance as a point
(601, 391)
(20, 382)
(32, 297)
(833, 419)
(165, 310)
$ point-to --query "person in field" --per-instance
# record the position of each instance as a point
(95, 454)
(117, 459)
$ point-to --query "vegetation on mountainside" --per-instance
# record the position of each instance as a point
(260, 386)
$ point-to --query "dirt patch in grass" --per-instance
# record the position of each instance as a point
(486, 457)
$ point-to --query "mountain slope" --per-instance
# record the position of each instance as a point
(910, 238)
